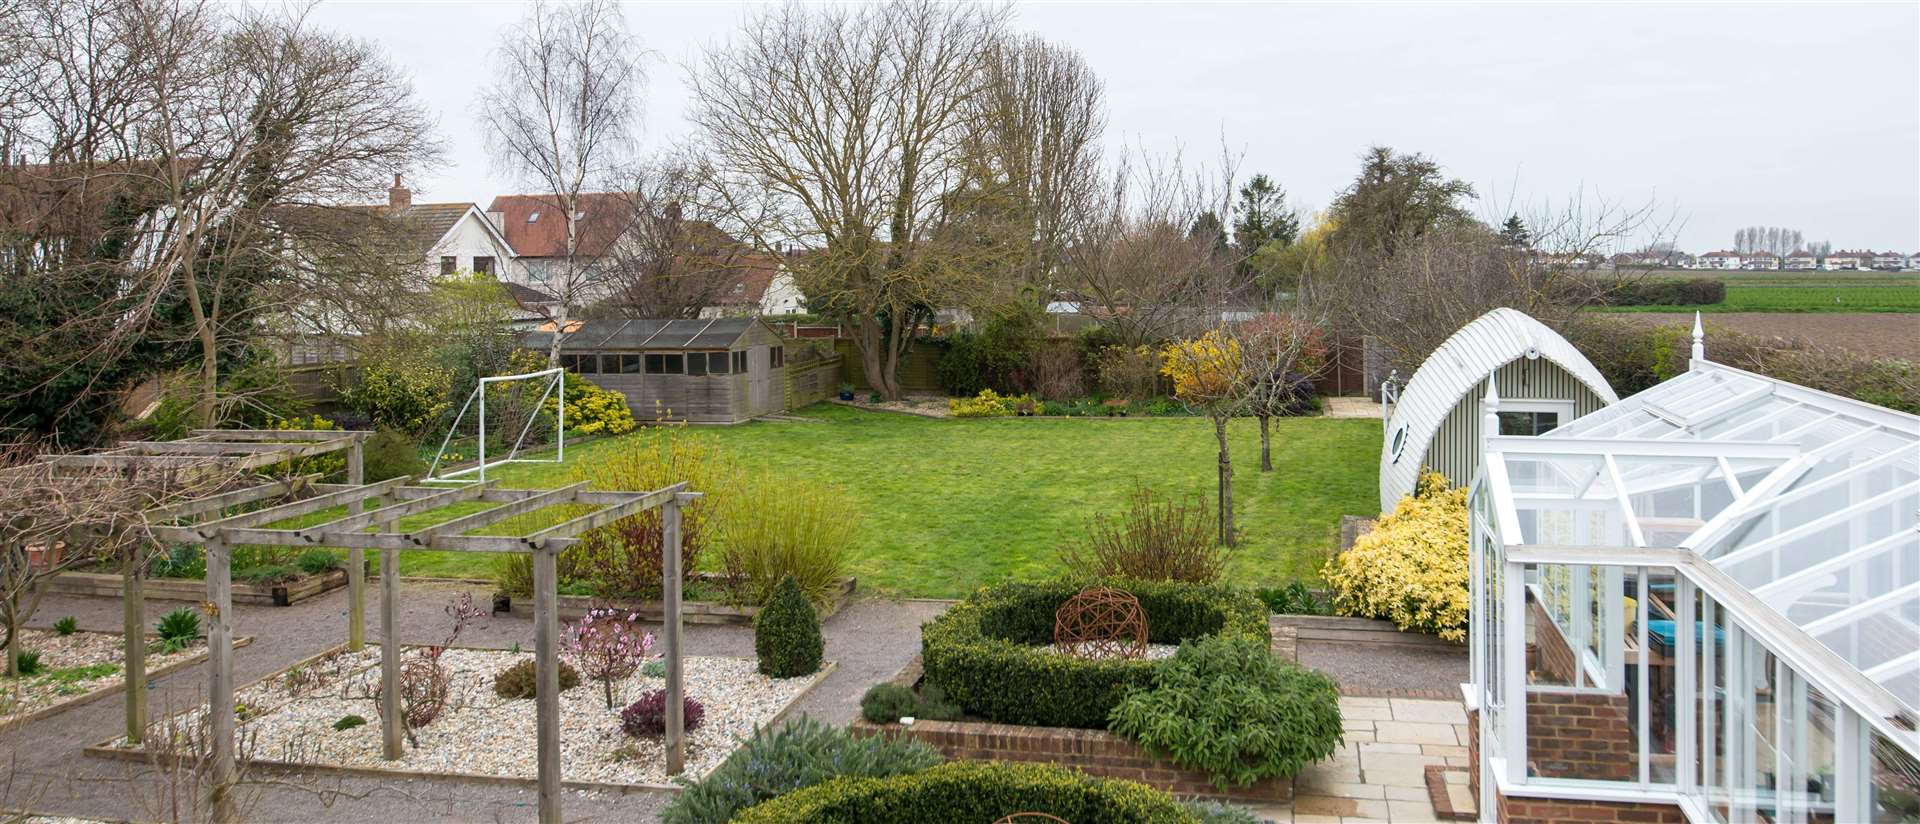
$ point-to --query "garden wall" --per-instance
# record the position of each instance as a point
(1532, 810)
(112, 585)
(1096, 752)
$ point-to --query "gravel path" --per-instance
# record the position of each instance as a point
(1381, 669)
(870, 640)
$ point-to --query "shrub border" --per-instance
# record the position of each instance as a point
(901, 794)
(968, 647)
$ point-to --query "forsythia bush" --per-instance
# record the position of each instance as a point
(1412, 568)
(398, 392)
(1203, 368)
(988, 404)
(591, 409)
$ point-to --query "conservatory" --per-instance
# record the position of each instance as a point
(1705, 597)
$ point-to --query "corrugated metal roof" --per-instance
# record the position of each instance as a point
(714, 333)
(1457, 367)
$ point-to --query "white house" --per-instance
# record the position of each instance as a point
(1913, 261)
(783, 296)
(1840, 261)
(1889, 261)
(761, 287)
(1803, 261)
(449, 237)
(1760, 261)
(1720, 260)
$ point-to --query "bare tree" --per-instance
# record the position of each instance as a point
(669, 257)
(200, 124)
(1036, 159)
(1280, 354)
(560, 116)
(1134, 260)
(843, 130)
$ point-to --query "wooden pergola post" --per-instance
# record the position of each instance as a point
(390, 721)
(676, 743)
(220, 713)
(133, 621)
(546, 692)
(356, 557)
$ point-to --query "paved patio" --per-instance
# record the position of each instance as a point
(1379, 775)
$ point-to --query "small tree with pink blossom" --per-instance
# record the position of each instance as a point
(607, 645)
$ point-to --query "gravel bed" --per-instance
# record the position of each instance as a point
(60, 656)
(290, 717)
(1154, 651)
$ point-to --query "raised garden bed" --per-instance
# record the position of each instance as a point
(572, 607)
(284, 593)
(1096, 752)
(290, 717)
(79, 668)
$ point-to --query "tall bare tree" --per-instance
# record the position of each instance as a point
(200, 124)
(560, 116)
(843, 130)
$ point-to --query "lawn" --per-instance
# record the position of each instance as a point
(952, 504)
(1878, 296)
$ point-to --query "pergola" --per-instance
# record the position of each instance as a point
(1707, 595)
(373, 512)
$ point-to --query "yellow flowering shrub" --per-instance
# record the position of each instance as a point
(1203, 368)
(989, 404)
(1412, 568)
(593, 410)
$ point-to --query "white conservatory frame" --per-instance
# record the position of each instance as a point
(1780, 521)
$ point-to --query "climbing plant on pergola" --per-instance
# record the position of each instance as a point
(371, 523)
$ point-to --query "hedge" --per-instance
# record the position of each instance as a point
(1690, 292)
(986, 652)
(971, 792)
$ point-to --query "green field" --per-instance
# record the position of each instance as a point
(1811, 293)
(951, 504)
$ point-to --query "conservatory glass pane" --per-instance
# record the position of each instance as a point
(1895, 792)
(1582, 629)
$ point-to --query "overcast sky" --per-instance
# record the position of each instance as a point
(1805, 116)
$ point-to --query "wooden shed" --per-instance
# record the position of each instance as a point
(718, 370)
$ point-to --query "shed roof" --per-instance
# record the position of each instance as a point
(704, 333)
(1457, 367)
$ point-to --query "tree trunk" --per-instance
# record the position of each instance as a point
(13, 643)
(876, 358)
(1266, 445)
(559, 334)
(1226, 483)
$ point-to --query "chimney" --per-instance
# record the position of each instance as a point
(399, 197)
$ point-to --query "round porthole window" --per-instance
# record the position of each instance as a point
(1399, 444)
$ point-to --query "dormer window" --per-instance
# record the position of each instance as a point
(580, 215)
(533, 218)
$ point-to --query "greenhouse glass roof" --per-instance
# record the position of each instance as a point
(1806, 500)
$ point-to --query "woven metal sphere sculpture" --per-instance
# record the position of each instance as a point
(1032, 818)
(1101, 623)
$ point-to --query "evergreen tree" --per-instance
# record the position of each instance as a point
(1207, 227)
(1396, 198)
(1264, 217)
(1514, 234)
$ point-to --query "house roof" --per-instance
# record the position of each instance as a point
(1801, 255)
(526, 295)
(1808, 501)
(414, 229)
(715, 333)
(535, 227)
(1721, 254)
(752, 277)
(1460, 365)
(1757, 255)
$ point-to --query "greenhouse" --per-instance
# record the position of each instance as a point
(1704, 597)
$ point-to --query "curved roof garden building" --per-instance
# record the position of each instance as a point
(1704, 597)
(1435, 423)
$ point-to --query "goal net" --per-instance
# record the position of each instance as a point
(506, 419)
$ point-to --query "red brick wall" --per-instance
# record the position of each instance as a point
(1521, 810)
(1548, 654)
(1580, 736)
(1093, 751)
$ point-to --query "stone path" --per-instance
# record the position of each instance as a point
(1379, 775)
(1352, 408)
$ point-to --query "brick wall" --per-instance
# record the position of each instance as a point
(1548, 654)
(1095, 752)
(1521, 810)
(1580, 736)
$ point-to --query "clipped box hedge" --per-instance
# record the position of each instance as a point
(988, 652)
(970, 791)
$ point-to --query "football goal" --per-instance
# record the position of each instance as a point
(506, 419)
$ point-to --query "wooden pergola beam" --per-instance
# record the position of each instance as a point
(297, 508)
(215, 503)
(468, 523)
(387, 514)
(282, 434)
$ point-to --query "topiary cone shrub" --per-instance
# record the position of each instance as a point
(786, 633)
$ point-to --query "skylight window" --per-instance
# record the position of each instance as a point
(533, 218)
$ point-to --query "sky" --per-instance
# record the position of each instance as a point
(1719, 115)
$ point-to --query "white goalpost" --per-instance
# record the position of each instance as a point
(515, 424)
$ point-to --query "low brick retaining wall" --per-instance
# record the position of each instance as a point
(1096, 752)
(113, 585)
(572, 607)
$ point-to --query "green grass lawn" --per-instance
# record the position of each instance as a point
(1815, 292)
(949, 505)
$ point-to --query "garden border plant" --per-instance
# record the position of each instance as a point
(972, 791)
(987, 652)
